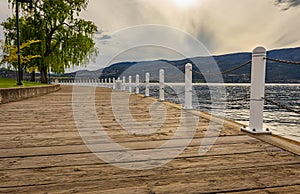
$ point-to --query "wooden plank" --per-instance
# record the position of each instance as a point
(160, 180)
(206, 161)
(73, 138)
(73, 149)
(279, 190)
(51, 156)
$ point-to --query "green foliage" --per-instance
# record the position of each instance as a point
(11, 57)
(1, 50)
(66, 40)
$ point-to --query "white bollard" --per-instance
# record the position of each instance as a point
(129, 82)
(147, 92)
(137, 83)
(161, 85)
(123, 84)
(114, 83)
(258, 76)
(118, 85)
(109, 82)
(188, 87)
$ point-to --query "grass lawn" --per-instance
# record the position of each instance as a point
(11, 83)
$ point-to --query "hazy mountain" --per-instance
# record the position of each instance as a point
(276, 72)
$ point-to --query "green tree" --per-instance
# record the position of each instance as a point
(1, 50)
(10, 56)
(66, 39)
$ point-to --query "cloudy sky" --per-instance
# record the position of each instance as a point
(220, 26)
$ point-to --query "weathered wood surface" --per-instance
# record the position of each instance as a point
(41, 151)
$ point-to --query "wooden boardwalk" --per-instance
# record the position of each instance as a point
(41, 151)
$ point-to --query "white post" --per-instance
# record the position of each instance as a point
(161, 85)
(188, 87)
(258, 76)
(137, 83)
(124, 83)
(147, 92)
(109, 82)
(129, 82)
(118, 85)
(114, 83)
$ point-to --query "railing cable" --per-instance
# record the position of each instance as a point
(225, 72)
(281, 105)
(173, 94)
(283, 61)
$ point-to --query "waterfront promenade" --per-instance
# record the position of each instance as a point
(41, 151)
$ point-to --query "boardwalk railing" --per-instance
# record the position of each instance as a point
(257, 99)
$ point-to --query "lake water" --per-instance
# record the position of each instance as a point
(237, 102)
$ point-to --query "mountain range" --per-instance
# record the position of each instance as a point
(276, 72)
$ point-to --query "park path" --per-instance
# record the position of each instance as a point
(41, 151)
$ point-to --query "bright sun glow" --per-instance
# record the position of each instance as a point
(185, 3)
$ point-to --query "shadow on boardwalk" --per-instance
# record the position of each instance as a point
(41, 151)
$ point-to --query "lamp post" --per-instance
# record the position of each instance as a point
(18, 39)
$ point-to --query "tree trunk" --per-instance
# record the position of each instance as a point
(44, 78)
(32, 77)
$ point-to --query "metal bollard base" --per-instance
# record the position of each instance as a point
(257, 132)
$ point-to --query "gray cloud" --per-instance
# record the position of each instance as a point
(287, 3)
(222, 26)
(105, 37)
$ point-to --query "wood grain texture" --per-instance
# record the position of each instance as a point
(41, 151)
